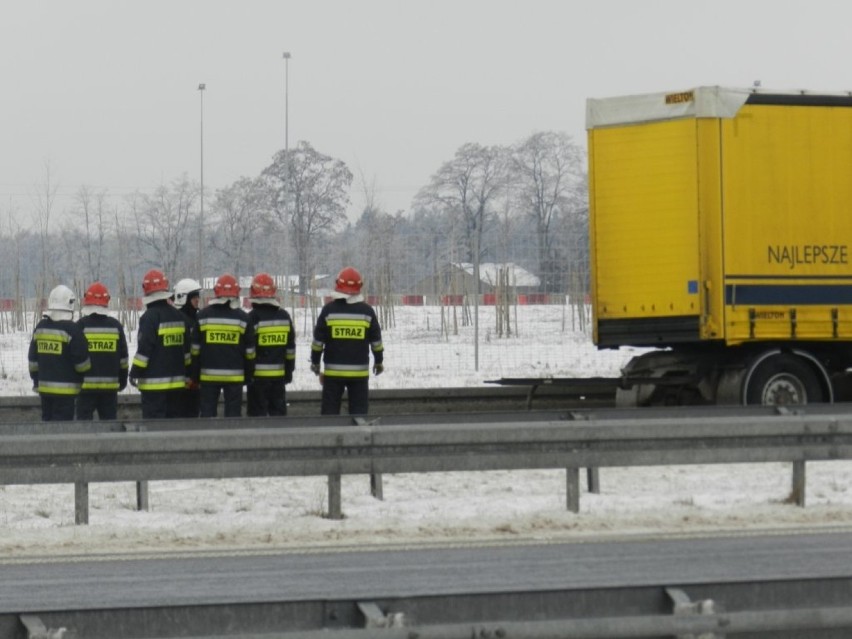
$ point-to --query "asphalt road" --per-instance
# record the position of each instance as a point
(136, 581)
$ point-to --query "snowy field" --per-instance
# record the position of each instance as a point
(446, 508)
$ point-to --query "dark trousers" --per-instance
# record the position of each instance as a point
(266, 397)
(104, 402)
(56, 408)
(190, 402)
(161, 404)
(357, 393)
(233, 395)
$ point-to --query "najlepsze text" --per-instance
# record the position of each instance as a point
(793, 255)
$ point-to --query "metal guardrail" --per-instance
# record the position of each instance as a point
(709, 626)
(333, 451)
(386, 401)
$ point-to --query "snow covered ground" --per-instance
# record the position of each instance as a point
(281, 513)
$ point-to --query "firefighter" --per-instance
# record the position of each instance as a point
(187, 297)
(276, 349)
(108, 352)
(225, 345)
(347, 329)
(160, 367)
(58, 357)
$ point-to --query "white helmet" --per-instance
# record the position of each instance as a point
(60, 303)
(184, 288)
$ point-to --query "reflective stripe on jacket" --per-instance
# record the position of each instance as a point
(58, 357)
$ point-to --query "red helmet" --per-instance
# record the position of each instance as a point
(226, 286)
(96, 295)
(348, 281)
(262, 285)
(154, 282)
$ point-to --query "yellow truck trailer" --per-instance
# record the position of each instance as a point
(720, 229)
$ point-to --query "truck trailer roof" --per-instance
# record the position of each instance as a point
(698, 102)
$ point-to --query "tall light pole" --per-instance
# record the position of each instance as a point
(201, 88)
(286, 57)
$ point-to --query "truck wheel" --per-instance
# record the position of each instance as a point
(783, 379)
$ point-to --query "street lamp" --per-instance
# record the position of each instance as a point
(201, 88)
(286, 57)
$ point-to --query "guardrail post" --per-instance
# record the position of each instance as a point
(683, 606)
(81, 503)
(141, 486)
(376, 489)
(142, 495)
(593, 476)
(37, 630)
(798, 493)
(335, 500)
(572, 489)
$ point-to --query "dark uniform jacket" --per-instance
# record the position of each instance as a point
(344, 335)
(162, 353)
(108, 352)
(225, 344)
(276, 342)
(190, 317)
(58, 357)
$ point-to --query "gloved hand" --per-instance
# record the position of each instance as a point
(192, 385)
(378, 369)
(288, 377)
(134, 382)
(315, 369)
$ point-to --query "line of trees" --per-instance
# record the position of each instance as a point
(525, 203)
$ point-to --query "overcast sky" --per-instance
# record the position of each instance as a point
(107, 90)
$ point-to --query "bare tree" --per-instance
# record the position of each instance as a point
(468, 186)
(379, 241)
(44, 198)
(550, 179)
(91, 220)
(162, 222)
(240, 210)
(309, 193)
(12, 269)
(128, 310)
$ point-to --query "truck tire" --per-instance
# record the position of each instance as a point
(783, 379)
